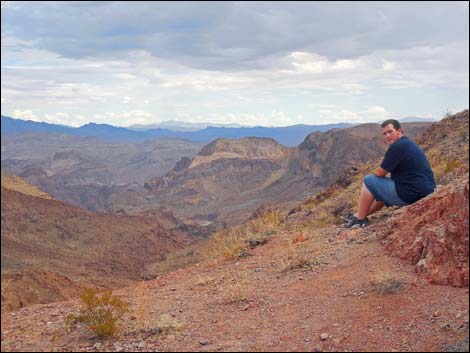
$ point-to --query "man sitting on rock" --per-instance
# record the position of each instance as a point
(411, 177)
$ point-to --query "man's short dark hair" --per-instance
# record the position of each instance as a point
(395, 123)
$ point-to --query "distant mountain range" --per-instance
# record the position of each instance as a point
(174, 125)
(288, 136)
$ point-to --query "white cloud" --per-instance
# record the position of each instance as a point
(344, 65)
(367, 115)
(273, 118)
(61, 118)
(124, 76)
(25, 115)
(313, 63)
(354, 88)
(389, 65)
(308, 62)
(376, 113)
(125, 118)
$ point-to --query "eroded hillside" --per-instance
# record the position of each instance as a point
(230, 179)
(86, 171)
(50, 250)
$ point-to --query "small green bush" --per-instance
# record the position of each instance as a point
(100, 314)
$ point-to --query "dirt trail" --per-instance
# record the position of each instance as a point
(332, 306)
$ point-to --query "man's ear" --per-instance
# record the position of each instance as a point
(401, 131)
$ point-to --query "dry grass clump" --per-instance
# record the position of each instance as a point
(236, 290)
(446, 168)
(298, 255)
(323, 215)
(228, 244)
(100, 314)
(234, 242)
(166, 323)
(202, 281)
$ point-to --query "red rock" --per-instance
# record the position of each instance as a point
(433, 235)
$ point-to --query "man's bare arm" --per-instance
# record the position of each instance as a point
(380, 172)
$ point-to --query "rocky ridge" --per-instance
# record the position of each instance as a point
(229, 179)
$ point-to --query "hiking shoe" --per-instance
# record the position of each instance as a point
(356, 222)
(348, 218)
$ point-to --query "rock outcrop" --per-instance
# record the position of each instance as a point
(432, 234)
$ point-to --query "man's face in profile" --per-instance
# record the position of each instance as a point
(391, 134)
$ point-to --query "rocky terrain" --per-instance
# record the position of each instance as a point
(306, 289)
(302, 283)
(229, 179)
(51, 250)
(223, 182)
(86, 171)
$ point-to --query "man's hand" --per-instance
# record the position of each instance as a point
(380, 172)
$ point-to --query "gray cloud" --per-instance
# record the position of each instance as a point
(251, 62)
(233, 35)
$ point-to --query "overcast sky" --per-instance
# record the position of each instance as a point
(251, 63)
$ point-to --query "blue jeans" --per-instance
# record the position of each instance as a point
(383, 190)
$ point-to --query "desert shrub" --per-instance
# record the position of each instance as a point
(100, 314)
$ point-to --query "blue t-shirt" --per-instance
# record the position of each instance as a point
(410, 170)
